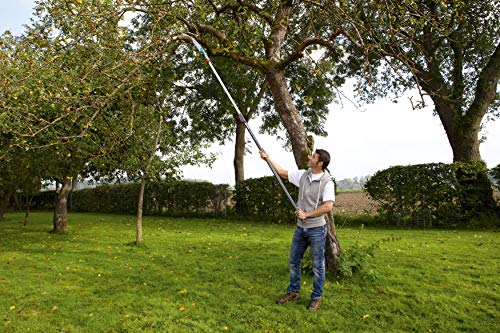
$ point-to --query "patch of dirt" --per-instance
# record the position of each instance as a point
(354, 203)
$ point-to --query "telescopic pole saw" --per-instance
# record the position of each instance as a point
(242, 118)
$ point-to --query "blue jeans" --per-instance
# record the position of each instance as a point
(302, 238)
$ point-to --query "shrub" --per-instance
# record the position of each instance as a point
(263, 198)
(172, 198)
(442, 193)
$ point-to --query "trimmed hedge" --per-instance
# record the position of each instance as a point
(441, 193)
(263, 199)
(172, 198)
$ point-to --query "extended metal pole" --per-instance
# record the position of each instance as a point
(242, 118)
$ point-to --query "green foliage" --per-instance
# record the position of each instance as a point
(357, 258)
(354, 260)
(263, 199)
(171, 198)
(495, 172)
(444, 193)
(463, 35)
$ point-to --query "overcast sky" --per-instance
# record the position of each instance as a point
(360, 142)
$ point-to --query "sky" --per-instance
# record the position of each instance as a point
(360, 142)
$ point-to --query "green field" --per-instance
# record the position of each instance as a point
(193, 275)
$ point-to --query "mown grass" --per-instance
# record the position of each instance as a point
(214, 275)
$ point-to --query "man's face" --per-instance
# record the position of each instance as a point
(313, 161)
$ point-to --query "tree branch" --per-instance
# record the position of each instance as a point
(298, 53)
(486, 86)
(253, 8)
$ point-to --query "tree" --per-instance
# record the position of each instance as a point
(450, 50)
(268, 37)
(68, 88)
(197, 92)
(201, 96)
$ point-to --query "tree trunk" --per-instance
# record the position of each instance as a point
(463, 133)
(138, 237)
(27, 210)
(61, 209)
(302, 145)
(275, 76)
(5, 202)
(239, 153)
(332, 246)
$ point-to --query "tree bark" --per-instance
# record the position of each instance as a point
(292, 121)
(462, 132)
(138, 236)
(27, 210)
(332, 246)
(61, 209)
(239, 153)
(5, 202)
(275, 76)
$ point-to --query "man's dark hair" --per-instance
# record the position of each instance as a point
(323, 156)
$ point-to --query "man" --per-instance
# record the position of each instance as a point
(316, 197)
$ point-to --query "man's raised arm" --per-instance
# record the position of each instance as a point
(282, 172)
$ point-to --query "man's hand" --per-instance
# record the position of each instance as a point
(301, 215)
(263, 154)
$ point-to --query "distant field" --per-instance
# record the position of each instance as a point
(194, 275)
(354, 203)
(359, 202)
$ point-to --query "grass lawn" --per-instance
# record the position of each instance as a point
(194, 275)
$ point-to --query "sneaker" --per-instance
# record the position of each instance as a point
(291, 296)
(314, 305)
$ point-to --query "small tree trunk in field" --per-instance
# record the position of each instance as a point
(61, 209)
(332, 246)
(239, 152)
(4, 203)
(239, 145)
(138, 237)
(27, 210)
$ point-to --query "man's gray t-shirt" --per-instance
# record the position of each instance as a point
(329, 190)
(313, 199)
